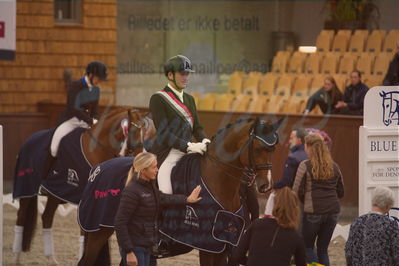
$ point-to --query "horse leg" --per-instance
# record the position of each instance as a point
(47, 220)
(94, 243)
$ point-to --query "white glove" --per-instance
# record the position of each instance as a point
(205, 141)
(197, 147)
(95, 121)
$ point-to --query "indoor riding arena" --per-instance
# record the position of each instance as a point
(227, 95)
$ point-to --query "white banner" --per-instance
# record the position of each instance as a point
(379, 144)
(8, 16)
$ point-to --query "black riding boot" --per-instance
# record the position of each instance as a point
(48, 164)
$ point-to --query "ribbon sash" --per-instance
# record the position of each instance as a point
(178, 106)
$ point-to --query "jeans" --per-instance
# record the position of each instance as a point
(320, 226)
(142, 255)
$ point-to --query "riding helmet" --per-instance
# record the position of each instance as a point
(98, 69)
(178, 63)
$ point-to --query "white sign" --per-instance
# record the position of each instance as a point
(379, 144)
(7, 29)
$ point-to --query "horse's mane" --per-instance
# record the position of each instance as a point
(115, 111)
(230, 125)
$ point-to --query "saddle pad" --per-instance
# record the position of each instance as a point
(193, 224)
(68, 177)
(30, 162)
(100, 199)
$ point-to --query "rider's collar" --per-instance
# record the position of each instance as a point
(87, 80)
(178, 93)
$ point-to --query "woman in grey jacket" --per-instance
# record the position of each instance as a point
(319, 185)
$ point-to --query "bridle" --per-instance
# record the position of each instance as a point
(249, 174)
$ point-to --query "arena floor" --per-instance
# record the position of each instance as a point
(66, 233)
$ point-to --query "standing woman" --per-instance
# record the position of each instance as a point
(136, 220)
(319, 185)
(326, 97)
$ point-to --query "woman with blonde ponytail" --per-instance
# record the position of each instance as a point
(136, 218)
(273, 240)
(319, 185)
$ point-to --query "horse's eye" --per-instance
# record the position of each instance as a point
(387, 105)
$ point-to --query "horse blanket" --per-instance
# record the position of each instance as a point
(68, 176)
(30, 162)
(204, 225)
(100, 199)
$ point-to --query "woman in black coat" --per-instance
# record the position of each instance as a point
(136, 220)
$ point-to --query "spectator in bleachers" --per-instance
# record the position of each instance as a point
(296, 156)
(326, 97)
(274, 240)
(392, 76)
(374, 237)
(319, 185)
(353, 96)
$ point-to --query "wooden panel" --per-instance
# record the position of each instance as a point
(67, 34)
(36, 8)
(99, 9)
(35, 21)
(57, 47)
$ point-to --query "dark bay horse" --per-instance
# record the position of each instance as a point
(101, 142)
(239, 153)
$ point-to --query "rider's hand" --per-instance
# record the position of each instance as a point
(194, 196)
(95, 121)
(197, 147)
(131, 259)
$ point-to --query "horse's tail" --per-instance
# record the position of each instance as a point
(29, 224)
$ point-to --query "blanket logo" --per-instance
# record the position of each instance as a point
(73, 178)
(191, 218)
(94, 173)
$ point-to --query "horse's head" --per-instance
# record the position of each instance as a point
(116, 133)
(386, 108)
(244, 151)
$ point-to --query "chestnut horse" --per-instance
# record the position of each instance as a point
(239, 153)
(101, 142)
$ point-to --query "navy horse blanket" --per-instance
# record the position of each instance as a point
(30, 162)
(100, 199)
(68, 176)
(204, 225)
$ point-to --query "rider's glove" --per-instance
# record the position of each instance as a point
(197, 147)
(95, 121)
(206, 141)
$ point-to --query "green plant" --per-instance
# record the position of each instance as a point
(351, 10)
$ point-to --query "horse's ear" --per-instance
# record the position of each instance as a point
(255, 125)
(277, 124)
(382, 93)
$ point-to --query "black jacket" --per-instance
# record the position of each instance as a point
(392, 76)
(82, 102)
(354, 97)
(172, 130)
(326, 100)
(136, 218)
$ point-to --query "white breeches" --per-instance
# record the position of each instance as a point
(62, 130)
(164, 182)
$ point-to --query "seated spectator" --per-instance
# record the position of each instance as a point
(319, 185)
(353, 96)
(374, 237)
(392, 76)
(274, 240)
(326, 97)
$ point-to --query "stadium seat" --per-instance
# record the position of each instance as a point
(296, 62)
(356, 44)
(301, 85)
(294, 105)
(346, 64)
(196, 96)
(207, 102)
(323, 42)
(346, 33)
(223, 102)
(235, 83)
(317, 83)
(241, 102)
(374, 42)
(373, 80)
(284, 86)
(381, 64)
(329, 64)
(275, 104)
(257, 105)
(330, 33)
(279, 64)
(268, 83)
(364, 63)
(391, 42)
(364, 33)
(312, 63)
(382, 33)
(394, 32)
(340, 43)
(251, 84)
